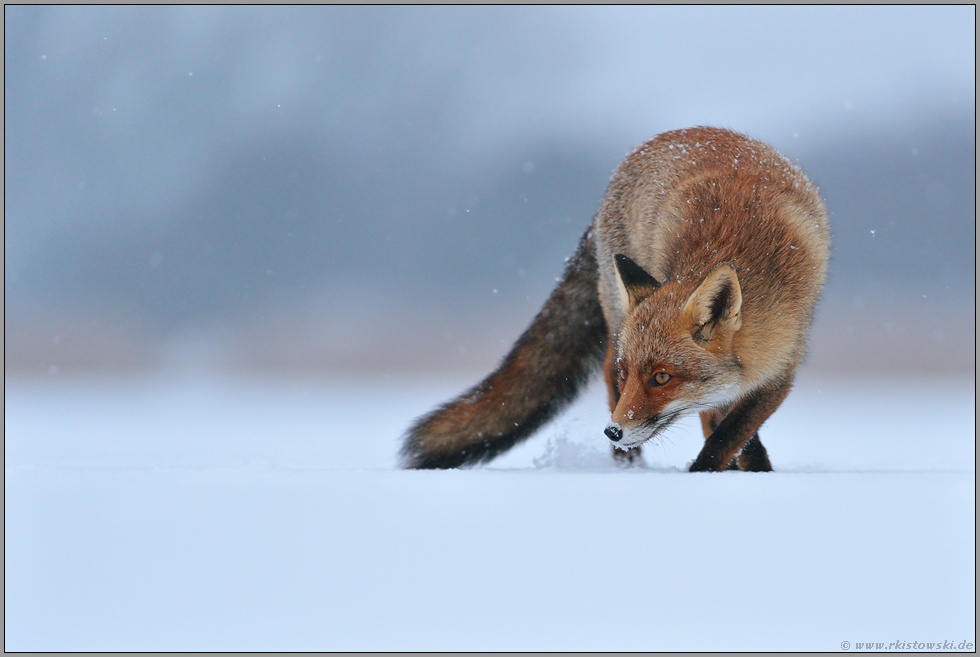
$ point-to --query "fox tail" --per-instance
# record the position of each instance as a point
(544, 372)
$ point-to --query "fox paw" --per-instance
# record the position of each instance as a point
(704, 464)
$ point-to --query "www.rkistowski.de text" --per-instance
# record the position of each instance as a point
(909, 645)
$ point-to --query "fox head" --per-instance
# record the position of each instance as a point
(675, 349)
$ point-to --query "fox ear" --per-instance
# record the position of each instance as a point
(635, 284)
(715, 308)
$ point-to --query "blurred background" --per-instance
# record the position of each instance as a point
(310, 189)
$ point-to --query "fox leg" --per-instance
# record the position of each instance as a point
(709, 422)
(611, 371)
(738, 430)
(752, 458)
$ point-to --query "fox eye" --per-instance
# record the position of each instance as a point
(659, 379)
(622, 374)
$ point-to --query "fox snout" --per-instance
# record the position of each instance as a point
(614, 432)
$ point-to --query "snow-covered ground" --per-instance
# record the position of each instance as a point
(211, 513)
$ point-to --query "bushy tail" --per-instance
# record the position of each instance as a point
(544, 371)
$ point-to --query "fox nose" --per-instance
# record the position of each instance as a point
(614, 432)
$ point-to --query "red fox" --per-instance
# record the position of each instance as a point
(695, 286)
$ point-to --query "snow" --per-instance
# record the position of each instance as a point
(216, 513)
